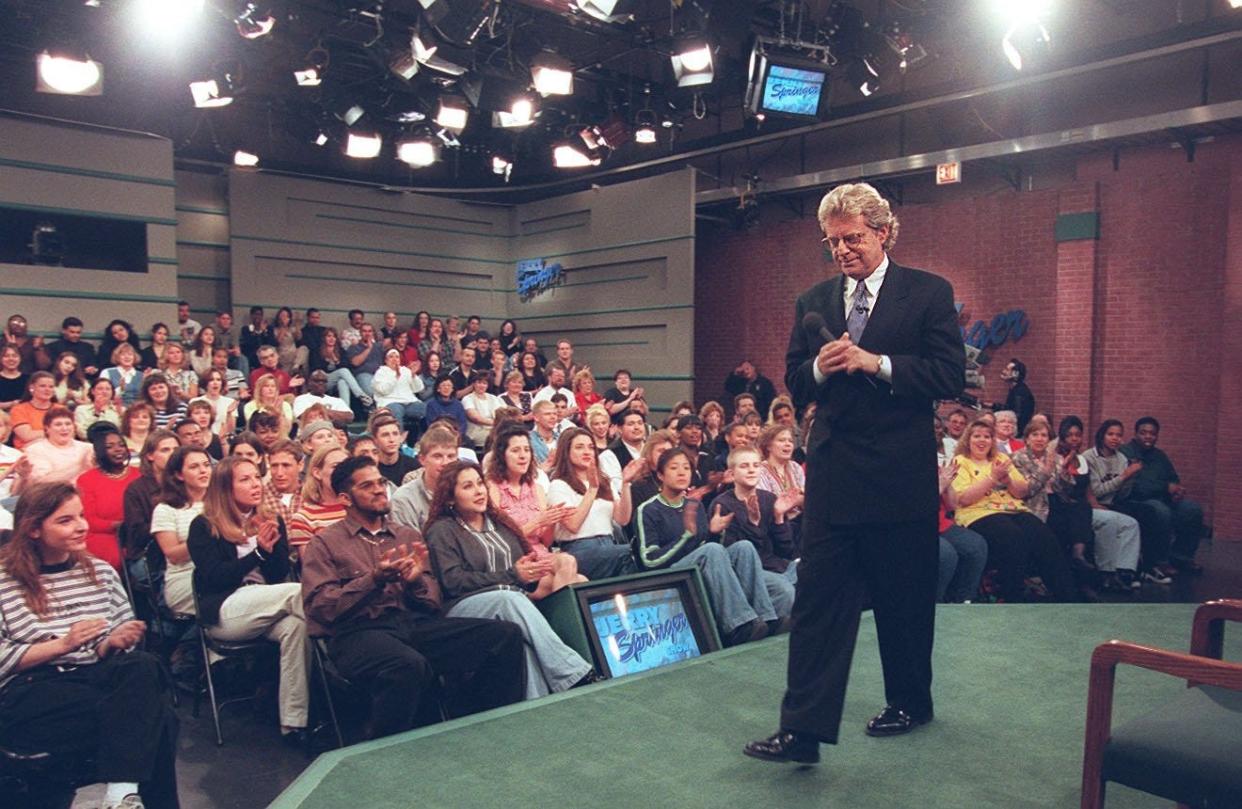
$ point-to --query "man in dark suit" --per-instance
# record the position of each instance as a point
(880, 343)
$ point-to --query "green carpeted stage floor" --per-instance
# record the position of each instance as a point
(1010, 699)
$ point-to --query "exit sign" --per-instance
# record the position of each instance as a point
(947, 173)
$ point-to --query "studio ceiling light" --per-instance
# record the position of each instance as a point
(66, 75)
(168, 17)
(692, 61)
(570, 155)
(253, 23)
(522, 113)
(552, 74)
(363, 146)
(309, 77)
(453, 114)
(209, 93)
(418, 152)
(244, 158)
(610, 11)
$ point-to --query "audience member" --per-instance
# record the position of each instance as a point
(586, 532)
(321, 506)
(480, 407)
(152, 357)
(12, 381)
(1019, 400)
(187, 327)
(747, 379)
(116, 333)
(233, 544)
(1157, 486)
(545, 432)
(267, 399)
(759, 518)
(124, 375)
(98, 408)
(585, 395)
(282, 486)
(139, 503)
(338, 409)
(213, 385)
(351, 335)
(531, 346)
(963, 554)
(517, 398)
(445, 403)
(389, 436)
(163, 399)
(365, 356)
(673, 532)
(1111, 482)
(565, 361)
(136, 425)
(268, 428)
(185, 478)
(31, 412)
(486, 571)
(989, 502)
(396, 389)
(518, 488)
(70, 385)
(313, 336)
(412, 501)
(102, 489)
(203, 349)
(59, 458)
(556, 384)
(292, 353)
(226, 339)
(8, 460)
(713, 417)
(34, 355)
(621, 397)
(72, 680)
(236, 382)
(269, 365)
(510, 338)
(533, 377)
(368, 589)
(254, 335)
(71, 341)
(744, 405)
(1006, 430)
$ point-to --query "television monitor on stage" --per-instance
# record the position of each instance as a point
(642, 623)
(787, 86)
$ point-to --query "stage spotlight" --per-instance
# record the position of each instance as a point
(403, 64)
(321, 139)
(253, 23)
(209, 93)
(310, 77)
(1025, 43)
(610, 11)
(552, 74)
(571, 155)
(244, 158)
(348, 111)
(692, 61)
(502, 166)
(453, 113)
(1235, 3)
(644, 127)
(364, 146)
(168, 16)
(417, 152)
(68, 75)
(522, 113)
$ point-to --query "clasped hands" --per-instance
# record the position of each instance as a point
(95, 630)
(406, 562)
(530, 568)
(842, 355)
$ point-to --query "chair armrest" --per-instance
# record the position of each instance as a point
(1207, 637)
(1104, 662)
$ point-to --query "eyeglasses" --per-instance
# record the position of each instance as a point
(852, 240)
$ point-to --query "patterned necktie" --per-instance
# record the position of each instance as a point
(857, 321)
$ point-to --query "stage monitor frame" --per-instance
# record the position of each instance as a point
(693, 599)
(762, 63)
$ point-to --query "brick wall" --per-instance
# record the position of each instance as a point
(1146, 320)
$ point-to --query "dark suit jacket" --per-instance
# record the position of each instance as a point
(872, 451)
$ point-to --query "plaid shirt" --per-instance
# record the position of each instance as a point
(273, 504)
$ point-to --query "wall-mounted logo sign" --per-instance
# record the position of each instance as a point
(1006, 326)
(536, 275)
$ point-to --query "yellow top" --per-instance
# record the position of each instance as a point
(996, 501)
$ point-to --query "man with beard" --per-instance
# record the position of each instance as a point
(368, 588)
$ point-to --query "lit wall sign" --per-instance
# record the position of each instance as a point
(947, 173)
(536, 275)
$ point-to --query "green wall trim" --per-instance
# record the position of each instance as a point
(1077, 227)
(533, 233)
(125, 217)
(608, 311)
(619, 246)
(196, 243)
(412, 227)
(89, 294)
(195, 276)
(161, 260)
(242, 307)
(363, 249)
(609, 344)
(201, 209)
(77, 172)
(424, 284)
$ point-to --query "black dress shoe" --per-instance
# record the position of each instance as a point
(785, 746)
(589, 678)
(747, 633)
(894, 722)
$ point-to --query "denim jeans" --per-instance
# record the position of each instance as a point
(1182, 520)
(600, 557)
(346, 385)
(408, 411)
(551, 666)
(781, 588)
(364, 382)
(733, 578)
(963, 558)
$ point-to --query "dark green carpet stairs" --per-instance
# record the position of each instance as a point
(1010, 700)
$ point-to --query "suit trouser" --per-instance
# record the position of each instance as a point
(897, 564)
(117, 710)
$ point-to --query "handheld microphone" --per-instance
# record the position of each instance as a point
(814, 322)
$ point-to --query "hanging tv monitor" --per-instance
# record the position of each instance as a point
(788, 87)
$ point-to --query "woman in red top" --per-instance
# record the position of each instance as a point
(584, 390)
(103, 492)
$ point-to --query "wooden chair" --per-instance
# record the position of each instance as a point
(1187, 750)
